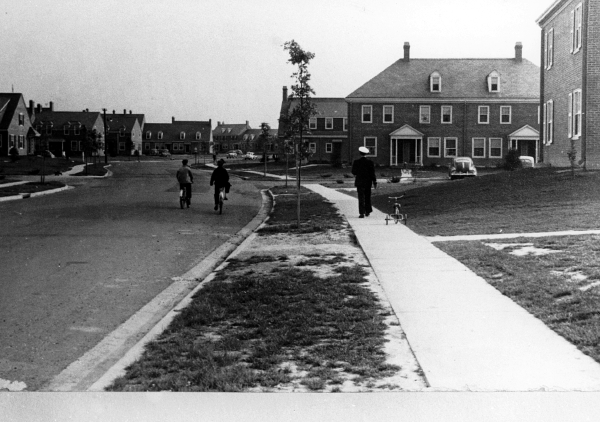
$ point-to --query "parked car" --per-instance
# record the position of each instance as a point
(165, 153)
(47, 154)
(154, 152)
(250, 156)
(461, 167)
(527, 161)
(235, 153)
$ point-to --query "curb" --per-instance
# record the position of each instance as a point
(101, 365)
(35, 194)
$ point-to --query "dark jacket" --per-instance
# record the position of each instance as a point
(184, 175)
(219, 177)
(364, 170)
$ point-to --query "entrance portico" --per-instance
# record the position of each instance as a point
(526, 141)
(406, 146)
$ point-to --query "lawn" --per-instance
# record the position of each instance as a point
(522, 201)
(29, 165)
(302, 318)
(560, 287)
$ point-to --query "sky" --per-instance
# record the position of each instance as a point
(224, 59)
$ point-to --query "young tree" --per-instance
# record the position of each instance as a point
(298, 117)
(265, 139)
(93, 143)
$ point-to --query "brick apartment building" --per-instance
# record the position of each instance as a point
(327, 130)
(426, 111)
(570, 82)
(15, 125)
(179, 137)
(231, 136)
(123, 133)
(65, 131)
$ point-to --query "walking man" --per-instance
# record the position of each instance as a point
(363, 170)
(185, 179)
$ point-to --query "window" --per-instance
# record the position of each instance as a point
(66, 130)
(494, 82)
(478, 147)
(371, 143)
(446, 114)
(388, 114)
(181, 135)
(21, 119)
(574, 118)
(76, 129)
(495, 147)
(345, 124)
(328, 123)
(312, 147)
(312, 123)
(11, 141)
(367, 114)
(434, 147)
(576, 24)
(549, 122)
(49, 130)
(160, 135)
(198, 136)
(425, 115)
(435, 82)
(484, 115)
(549, 49)
(73, 145)
(329, 147)
(450, 147)
(505, 114)
(147, 146)
(121, 146)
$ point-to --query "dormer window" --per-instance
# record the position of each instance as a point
(198, 136)
(182, 135)
(494, 82)
(77, 129)
(160, 135)
(229, 130)
(148, 135)
(21, 119)
(435, 82)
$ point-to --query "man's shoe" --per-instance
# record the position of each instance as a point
(361, 216)
(216, 207)
(367, 214)
(225, 199)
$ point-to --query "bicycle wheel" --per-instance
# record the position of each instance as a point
(181, 198)
(221, 203)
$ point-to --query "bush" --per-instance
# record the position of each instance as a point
(511, 160)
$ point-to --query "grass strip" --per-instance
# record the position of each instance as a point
(562, 288)
(31, 187)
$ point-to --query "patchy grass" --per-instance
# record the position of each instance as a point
(316, 214)
(30, 187)
(98, 169)
(30, 165)
(520, 201)
(248, 329)
(562, 289)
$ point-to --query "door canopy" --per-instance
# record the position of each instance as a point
(526, 132)
(407, 132)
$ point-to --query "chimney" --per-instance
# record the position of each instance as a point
(130, 112)
(519, 52)
(113, 112)
(124, 111)
(406, 51)
(173, 119)
(285, 96)
(31, 106)
(51, 106)
(87, 110)
(39, 108)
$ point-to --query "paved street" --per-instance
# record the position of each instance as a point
(77, 264)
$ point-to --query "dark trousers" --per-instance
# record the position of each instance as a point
(188, 190)
(364, 199)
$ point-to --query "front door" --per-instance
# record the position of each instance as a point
(405, 151)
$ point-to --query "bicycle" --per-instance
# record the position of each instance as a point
(397, 216)
(221, 199)
(184, 197)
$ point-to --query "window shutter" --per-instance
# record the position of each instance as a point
(546, 50)
(544, 128)
(572, 31)
(551, 49)
(570, 118)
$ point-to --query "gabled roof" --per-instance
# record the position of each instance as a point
(461, 78)
(556, 5)
(230, 129)
(60, 118)
(172, 130)
(8, 106)
(115, 121)
(325, 107)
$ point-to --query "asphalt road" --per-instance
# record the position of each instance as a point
(77, 264)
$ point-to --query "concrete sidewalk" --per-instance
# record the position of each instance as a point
(465, 334)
